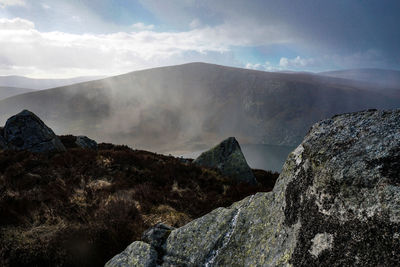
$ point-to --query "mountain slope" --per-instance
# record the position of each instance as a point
(6, 92)
(379, 77)
(38, 84)
(191, 107)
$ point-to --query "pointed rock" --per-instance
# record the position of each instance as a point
(26, 131)
(85, 142)
(228, 157)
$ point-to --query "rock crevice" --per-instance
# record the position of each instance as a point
(147, 253)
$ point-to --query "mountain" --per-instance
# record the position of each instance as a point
(376, 77)
(6, 92)
(336, 203)
(38, 84)
(191, 107)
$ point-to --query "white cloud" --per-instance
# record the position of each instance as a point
(15, 24)
(76, 18)
(140, 26)
(24, 50)
(284, 62)
(45, 6)
(297, 62)
(4, 3)
(371, 58)
(267, 66)
(254, 66)
(196, 23)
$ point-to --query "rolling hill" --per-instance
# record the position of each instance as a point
(6, 92)
(39, 84)
(377, 77)
(190, 107)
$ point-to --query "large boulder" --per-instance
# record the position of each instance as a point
(229, 159)
(25, 131)
(336, 203)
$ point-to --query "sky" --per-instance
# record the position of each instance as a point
(69, 38)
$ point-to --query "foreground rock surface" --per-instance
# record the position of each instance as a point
(228, 157)
(26, 131)
(336, 203)
(137, 254)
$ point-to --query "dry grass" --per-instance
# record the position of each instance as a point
(82, 207)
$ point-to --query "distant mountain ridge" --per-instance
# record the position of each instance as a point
(6, 92)
(192, 106)
(380, 77)
(39, 84)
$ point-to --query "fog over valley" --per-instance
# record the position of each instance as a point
(191, 107)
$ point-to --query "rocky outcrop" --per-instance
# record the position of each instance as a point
(138, 254)
(157, 235)
(85, 142)
(26, 131)
(229, 159)
(147, 253)
(336, 203)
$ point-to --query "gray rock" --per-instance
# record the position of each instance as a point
(85, 142)
(157, 235)
(138, 254)
(228, 157)
(336, 203)
(25, 131)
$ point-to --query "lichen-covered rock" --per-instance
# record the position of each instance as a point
(157, 235)
(228, 157)
(138, 254)
(25, 131)
(336, 203)
(85, 142)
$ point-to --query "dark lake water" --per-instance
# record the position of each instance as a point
(258, 156)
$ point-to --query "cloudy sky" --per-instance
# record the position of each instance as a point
(66, 38)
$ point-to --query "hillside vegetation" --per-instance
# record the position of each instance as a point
(81, 207)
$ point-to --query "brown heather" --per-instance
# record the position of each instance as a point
(81, 207)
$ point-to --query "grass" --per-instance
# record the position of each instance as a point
(81, 207)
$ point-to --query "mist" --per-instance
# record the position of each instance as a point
(191, 107)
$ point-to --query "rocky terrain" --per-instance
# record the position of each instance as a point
(336, 203)
(68, 201)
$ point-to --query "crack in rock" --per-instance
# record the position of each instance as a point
(226, 238)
